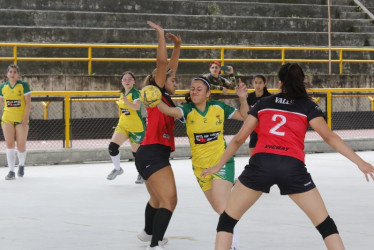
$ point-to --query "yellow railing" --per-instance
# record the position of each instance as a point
(89, 59)
(69, 94)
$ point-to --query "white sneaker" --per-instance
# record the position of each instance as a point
(155, 248)
(114, 174)
(143, 236)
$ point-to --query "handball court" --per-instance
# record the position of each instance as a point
(75, 207)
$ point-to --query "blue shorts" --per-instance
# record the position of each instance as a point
(265, 170)
(151, 158)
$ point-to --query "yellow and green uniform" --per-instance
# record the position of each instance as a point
(130, 122)
(205, 133)
(14, 101)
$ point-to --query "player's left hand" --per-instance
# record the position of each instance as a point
(176, 39)
(367, 169)
(209, 171)
(241, 89)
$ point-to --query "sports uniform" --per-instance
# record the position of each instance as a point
(251, 100)
(282, 124)
(14, 101)
(205, 133)
(130, 123)
(158, 143)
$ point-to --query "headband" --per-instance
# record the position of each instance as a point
(202, 79)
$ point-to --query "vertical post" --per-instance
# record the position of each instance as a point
(329, 33)
(340, 61)
(89, 60)
(222, 58)
(283, 56)
(67, 120)
(329, 109)
(15, 54)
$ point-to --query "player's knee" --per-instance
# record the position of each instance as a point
(113, 149)
(327, 227)
(226, 223)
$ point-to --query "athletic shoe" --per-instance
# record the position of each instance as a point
(143, 236)
(21, 171)
(11, 176)
(140, 180)
(114, 174)
(155, 248)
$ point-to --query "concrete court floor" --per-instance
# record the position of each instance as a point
(75, 207)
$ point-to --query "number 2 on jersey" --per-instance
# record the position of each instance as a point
(282, 121)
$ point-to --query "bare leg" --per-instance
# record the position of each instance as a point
(219, 194)
(21, 137)
(240, 200)
(313, 206)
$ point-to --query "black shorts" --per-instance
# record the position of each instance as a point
(151, 158)
(253, 140)
(265, 170)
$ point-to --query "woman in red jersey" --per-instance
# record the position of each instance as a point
(278, 157)
(152, 157)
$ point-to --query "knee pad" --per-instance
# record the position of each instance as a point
(226, 223)
(113, 149)
(327, 227)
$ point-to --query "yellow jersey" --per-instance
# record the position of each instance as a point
(205, 131)
(14, 100)
(130, 119)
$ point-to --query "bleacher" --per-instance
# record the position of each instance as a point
(244, 23)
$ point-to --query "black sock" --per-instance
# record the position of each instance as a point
(149, 217)
(160, 224)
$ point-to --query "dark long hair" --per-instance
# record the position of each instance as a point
(263, 78)
(292, 77)
(124, 73)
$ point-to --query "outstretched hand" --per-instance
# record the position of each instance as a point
(176, 39)
(155, 26)
(367, 169)
(241, 89)
(209, 171)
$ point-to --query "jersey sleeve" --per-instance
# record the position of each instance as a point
(1, 89)
(255, 108)
(135, 94)
(26, 88)
(186, 109)
(314, 111)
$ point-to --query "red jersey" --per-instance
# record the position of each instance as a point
(282, 124)
(160, 127)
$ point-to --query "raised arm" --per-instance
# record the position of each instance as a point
(242, 92)
(170, 111)
(332, 139)
(162, 55)
(177, 40)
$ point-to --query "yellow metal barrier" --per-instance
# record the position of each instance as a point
(89, 59)
(69, 94)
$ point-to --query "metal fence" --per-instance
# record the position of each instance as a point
(86, 119)
(342, 58)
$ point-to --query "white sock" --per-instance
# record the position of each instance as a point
(235, 236)
(116, 161)
(21, 158)
(11, 157)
